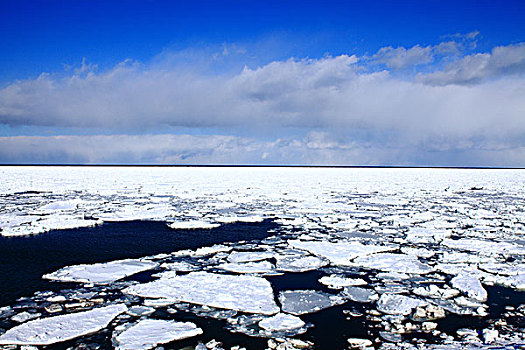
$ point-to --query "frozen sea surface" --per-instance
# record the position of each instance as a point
(258, 257)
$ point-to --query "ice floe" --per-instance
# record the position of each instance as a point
(397, 304)
(400, 263)
(242, 293)
(240, 257)
(193, 225)
(360, 295)
(51, 330)
(248, 267)
(339, 253)
(147, 334)
(281, 322)
(101, 273)
(299, 302)
(470, 285)
(299, 264)
(337, 282)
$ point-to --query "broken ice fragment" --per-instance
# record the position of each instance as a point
(102, 273)
(360, 295)
(484, 247)
(396, 304)
(242, 293)
(299, 264)
(400, 263)
(55, 329)
(140, 310)
(338, 282)
(25, 316)
(281, 322)
(193, 225)
(340, 253)
(299, 302)
(249, 267)
(147, 334)
(240, 257)
(470, 285)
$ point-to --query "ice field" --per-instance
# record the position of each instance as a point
(380, 258)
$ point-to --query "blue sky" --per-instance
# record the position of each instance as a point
(267, 82)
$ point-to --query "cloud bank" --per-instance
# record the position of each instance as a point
(429, 105)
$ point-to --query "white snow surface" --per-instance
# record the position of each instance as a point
(249, 267)
(102, 273)
(339, 253)
(240, 257)
(147, 334)
(469, 284)
(336, 282)
(241, 293)
(51, 330)
(281, 322)
(399, 263)
(193, 225)
(397, 304)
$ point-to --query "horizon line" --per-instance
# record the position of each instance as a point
(262, 166)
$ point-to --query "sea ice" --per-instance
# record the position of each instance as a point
(240, 257)
(232, 219)
(299, 302)
(400, 263)
(397, 304)
(337, 282)
(61, 205)
(484, 247)
(426, 235)
(248, 267)
(193, 225)
(241, 293)
(470, 285)
(281, 322)
(340, 253)
(50, 330)
(299, 264)
(360, 295)
(147, 334)
(102, 273)
(25, 316)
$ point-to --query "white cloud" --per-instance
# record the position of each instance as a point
(473, 69)
(315, 148)
(364, 116)
(401, 57)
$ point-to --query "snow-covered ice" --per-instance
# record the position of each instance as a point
(400, 263)
(193, 225)
(281, 322)
(336, 282)
(249, 267)
(299, 264)
(397, 304)
(470, 285)
(242, 293)
(147, 334)
(101, 273)
(339, 253)
(241, 257)
(298, 302)
(426, 241)
(51, 330)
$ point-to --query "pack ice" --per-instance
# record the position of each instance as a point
(147, 334)
(241, 293)
(50, 330)
(102, 273)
